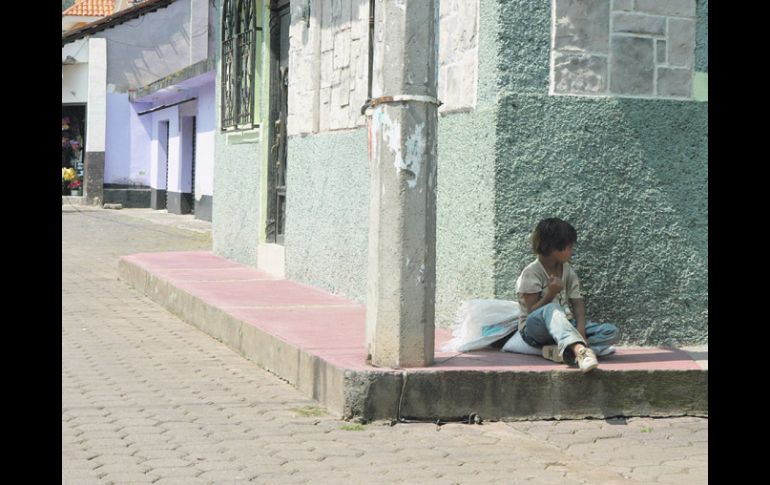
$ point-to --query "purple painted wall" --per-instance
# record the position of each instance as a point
(180, 153)
(141, 137)
(160, 151)
(117, 156)
(128, 137)
(206, 128)
(148, 154)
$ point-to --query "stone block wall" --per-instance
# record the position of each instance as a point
(329, 62)
(328, 65)
(458, 54)
(627, 48)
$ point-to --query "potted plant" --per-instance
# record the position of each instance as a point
(75, 187)
(68, 175)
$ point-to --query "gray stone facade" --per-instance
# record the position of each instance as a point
(627, 48)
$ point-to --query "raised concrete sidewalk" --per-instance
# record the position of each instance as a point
(315, 341)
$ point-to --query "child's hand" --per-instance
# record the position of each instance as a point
(554, 285)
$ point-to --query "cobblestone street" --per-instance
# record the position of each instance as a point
(148, 398)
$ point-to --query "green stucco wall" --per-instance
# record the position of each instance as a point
(629, 174)
(464, 211)
(235, 214)
(328, 200)
(327, 211)
(523, 45)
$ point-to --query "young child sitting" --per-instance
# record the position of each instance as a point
(553, 314)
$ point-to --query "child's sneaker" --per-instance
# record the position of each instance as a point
(609, 350)
(586, 360)
(551, 352)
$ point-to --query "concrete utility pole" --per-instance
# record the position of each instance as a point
(401, 284)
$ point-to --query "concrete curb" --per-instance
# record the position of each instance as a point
(556, 394)
(428, 395)
(308, 373)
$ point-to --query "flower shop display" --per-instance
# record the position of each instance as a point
(71, 142)
(72, 154)
(75, 187)
(68, 176)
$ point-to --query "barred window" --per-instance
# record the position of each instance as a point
(239, 63)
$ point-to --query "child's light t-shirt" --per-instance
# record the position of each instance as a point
(534, 279)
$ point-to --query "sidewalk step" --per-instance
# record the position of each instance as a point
(315, 341)
(73, 200)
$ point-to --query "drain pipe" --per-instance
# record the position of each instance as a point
(371, 49)
(368, 101)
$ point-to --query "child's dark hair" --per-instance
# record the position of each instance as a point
(552, 234)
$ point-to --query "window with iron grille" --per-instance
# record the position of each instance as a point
(239, 63)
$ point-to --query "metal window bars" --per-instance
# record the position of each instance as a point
(239, 48)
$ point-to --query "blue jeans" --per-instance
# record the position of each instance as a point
(549, 325)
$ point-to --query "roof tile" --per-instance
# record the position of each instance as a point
(91, 8)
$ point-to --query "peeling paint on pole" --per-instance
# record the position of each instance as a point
(407, 156)
(415, 151)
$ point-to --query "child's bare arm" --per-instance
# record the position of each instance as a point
(534, 301)
(579, 309)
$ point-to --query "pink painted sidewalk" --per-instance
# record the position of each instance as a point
(332, 327)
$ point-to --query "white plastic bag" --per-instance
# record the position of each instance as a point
(517, 345)
(480, 322)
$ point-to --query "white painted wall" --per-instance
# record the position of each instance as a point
(96, 109)
(117, 156)
(203, 110)
(180, 145)
(204, 163)
(157, 44)
(158, 167)
(77, 49)
(74, 83)
(199, 24)
(141, 138)
(184, 176)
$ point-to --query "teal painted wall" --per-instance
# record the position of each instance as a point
(629, 174)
